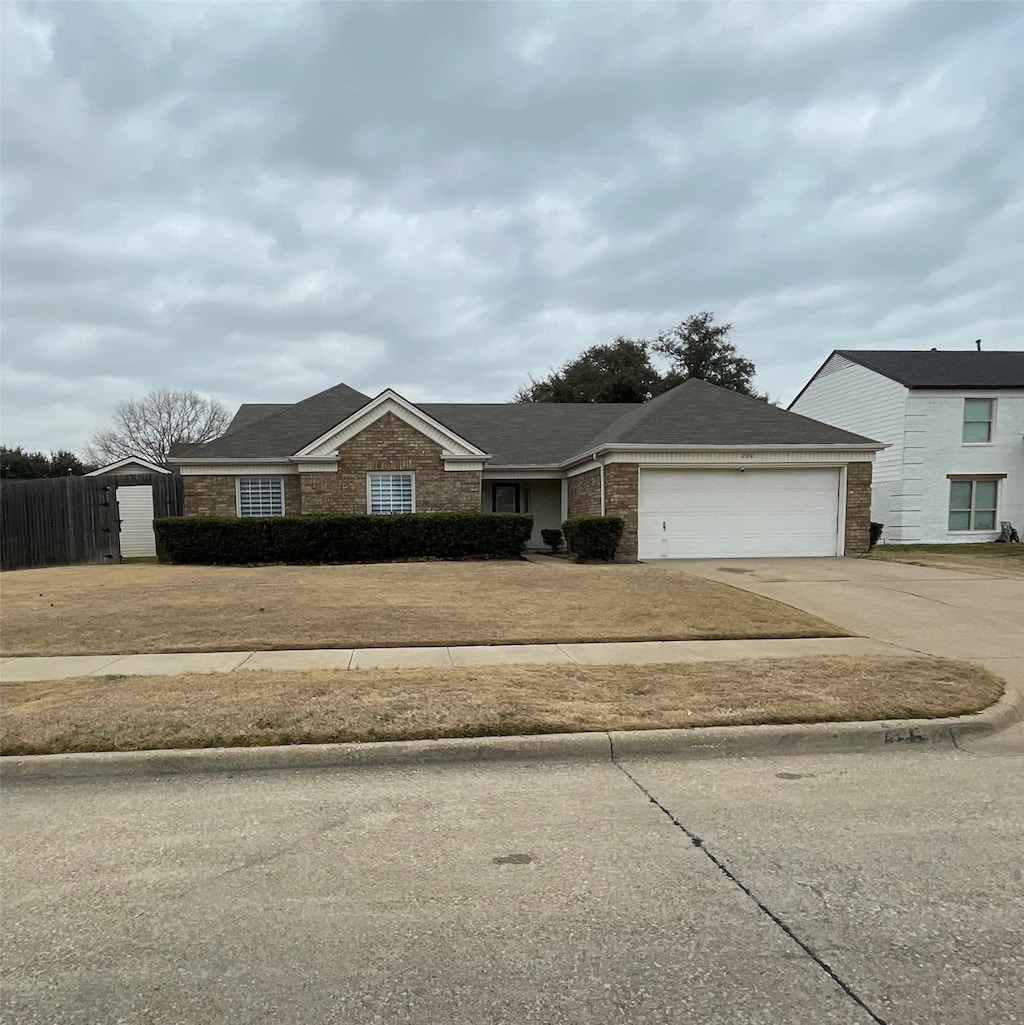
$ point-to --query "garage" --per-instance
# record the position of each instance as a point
(733, 513)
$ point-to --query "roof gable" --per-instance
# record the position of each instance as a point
(148, 467)
(931, 368)
(388, 401)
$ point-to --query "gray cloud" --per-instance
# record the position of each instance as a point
(261, 200)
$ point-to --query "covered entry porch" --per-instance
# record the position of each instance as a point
(542, 497)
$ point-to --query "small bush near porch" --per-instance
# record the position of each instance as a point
(298, 540)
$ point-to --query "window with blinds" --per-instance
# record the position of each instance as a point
(260, 496)
(390, 493)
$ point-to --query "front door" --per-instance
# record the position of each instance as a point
(505, 498)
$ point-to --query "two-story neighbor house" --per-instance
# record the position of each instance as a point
(953, 423)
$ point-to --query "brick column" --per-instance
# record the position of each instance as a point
(621, 485)
(858, 508)
(584, 494)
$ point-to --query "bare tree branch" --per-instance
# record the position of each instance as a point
(148, 427)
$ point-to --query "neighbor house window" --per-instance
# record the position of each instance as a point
(260, 496)
(972, 504)
(978, 416)
(390, 493)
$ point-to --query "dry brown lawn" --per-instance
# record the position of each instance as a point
(997, 560)
(261, 707)
(79, 610)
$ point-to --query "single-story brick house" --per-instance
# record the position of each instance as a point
(696, 472)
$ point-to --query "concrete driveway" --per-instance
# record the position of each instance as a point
(936, 611)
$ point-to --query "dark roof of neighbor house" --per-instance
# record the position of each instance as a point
(931, 368)
(544, 433)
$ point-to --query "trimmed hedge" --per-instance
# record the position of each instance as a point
(593, 537)
(216, 541)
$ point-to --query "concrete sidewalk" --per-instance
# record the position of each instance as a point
(18, 669)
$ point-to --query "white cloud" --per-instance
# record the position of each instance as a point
(261, 200)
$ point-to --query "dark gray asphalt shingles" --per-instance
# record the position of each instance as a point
(523, 434)
(916, 368)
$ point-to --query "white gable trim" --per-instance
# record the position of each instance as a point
(151, 467)
(390, 402)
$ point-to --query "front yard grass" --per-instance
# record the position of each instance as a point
(82, 610)
(1000, 560)
(255, 708)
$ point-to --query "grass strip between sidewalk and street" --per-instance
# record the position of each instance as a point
(261, 707)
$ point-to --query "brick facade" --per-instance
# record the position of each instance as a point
(621, 481)
(210, 496)
(390, 444)
(216, 494)
(620, 499)
(858, 508)
(585, 494)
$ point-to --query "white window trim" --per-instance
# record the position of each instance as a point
(991, 423)
(974, 482)
(254, 476)
(389, 473)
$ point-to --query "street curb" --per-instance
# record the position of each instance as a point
(574, 747)
(819, 738)
(579, 748)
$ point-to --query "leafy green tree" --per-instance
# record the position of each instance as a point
(698, 347)
(624, 372)
(618, 372)
(17, 464)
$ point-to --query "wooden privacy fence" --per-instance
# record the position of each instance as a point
(57, 521)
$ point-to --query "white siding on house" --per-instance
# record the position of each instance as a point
(850, 396)
(934, 448)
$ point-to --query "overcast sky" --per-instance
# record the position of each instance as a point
(259, 201)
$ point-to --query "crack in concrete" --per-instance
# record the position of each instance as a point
(699, 843)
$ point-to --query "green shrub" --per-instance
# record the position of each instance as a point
(876, 533)
(335, 539)
(552, 538)
(593, 537)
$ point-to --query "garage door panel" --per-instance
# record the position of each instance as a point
(726, 513)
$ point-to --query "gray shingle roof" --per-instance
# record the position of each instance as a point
(923, 368)
(249, 412)
(544, 433)
(698, 413)
(283, 433)
(527, 433)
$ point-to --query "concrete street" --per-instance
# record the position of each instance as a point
(846, 888)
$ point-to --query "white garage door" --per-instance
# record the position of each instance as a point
(135, 507)
(714, 514)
